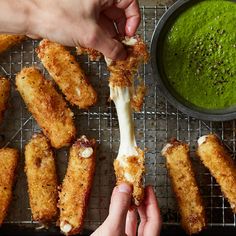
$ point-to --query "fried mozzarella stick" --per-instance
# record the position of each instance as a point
(67, 73)
(184, 186)
(7, 41)
(8, 163)
(4, 95)
(42, 179)
(47, 106)
(215, 157)
(76, 186)
(129, 164)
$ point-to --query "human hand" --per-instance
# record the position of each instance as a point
(123, 221)
(88, 23)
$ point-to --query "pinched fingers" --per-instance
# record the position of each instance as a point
(150, 216)
(118, 16)
(119, 206)
(99, 39)
(131, 223)
(108, 26)
(132, 13)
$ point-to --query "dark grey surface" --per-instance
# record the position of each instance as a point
(155, 125)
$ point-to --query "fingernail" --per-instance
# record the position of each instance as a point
(124, 188)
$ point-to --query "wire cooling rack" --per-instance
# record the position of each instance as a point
(156, 124)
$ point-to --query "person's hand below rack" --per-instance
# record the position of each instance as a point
(122, 221)
(89, 23)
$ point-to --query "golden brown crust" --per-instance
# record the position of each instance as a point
(93, 54)
(134, 166)
(42, 179)
(47, 106)
(122, 72)
(216, 158)
(76, 185)
(4, 95)
(7, 41)
(67, 73)
(138, 97)
(8, 163)
(184, 185)
(130, 169)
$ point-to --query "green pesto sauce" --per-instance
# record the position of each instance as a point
(200, 54)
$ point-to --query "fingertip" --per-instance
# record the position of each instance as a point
(121, 192)
(132, 26)
(129, 31)
(131, 223)
(124, 188)
(114, 50)
(122, 55)
(120, 203)
(100, 40)
(149, 189)
(118, 52)
(115, 189)
(33, 36)
(150, 196)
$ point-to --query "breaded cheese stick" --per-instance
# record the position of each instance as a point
(8, 163)
(67, 73)
(7, 41)
(47, 106)
(130, 170)
(129, 165)
(4, 95)
(122, 72)
(215, 157)
(76, 185)
(184, 186)
(42, 179)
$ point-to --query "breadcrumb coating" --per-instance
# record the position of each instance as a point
(4, 95)
(132, 169)
(77, 185)
(138, 97)
(184, 185)
(67, 73)
(129, 164)
(122, 72)
(8, 164)
(47, 106)
(41, 175)
(216, 158)
(7, 41)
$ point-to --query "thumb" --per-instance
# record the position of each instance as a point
(99, 39)
(120, 204)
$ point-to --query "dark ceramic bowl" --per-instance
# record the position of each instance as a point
(158, 72)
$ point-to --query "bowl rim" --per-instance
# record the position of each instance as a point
(205, 114)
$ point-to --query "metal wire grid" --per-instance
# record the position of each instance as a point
(156, 124)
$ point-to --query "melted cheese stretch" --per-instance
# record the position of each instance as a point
(129, 164)
(121, 97)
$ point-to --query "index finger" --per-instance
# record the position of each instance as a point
(152, 209)
(132, 13)
(149, 213)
